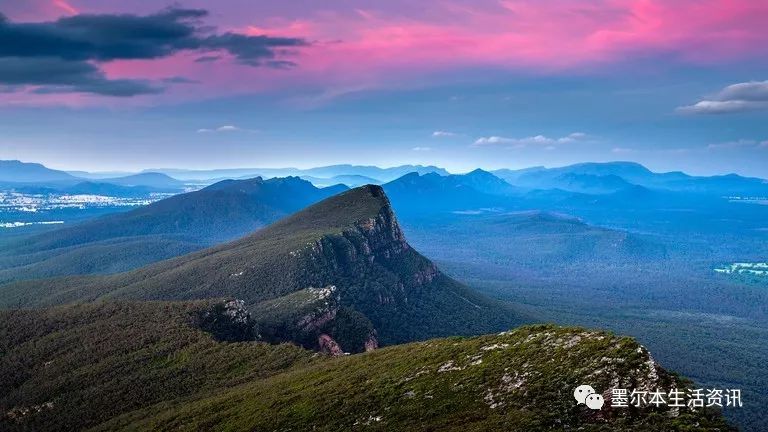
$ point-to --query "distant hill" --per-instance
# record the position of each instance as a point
(21, 172)
(611, 177)
(530, 246)
(569, 181)
(347, 180)
(381, 174)
(154, 180)
(170, 227)
(114, 190)
(35, 178)
(195, 366)
(326, 172)
(429, 193)
(99, 175)
(347, 250)
(225, 173)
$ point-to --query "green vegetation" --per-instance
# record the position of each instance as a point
(660, 289)
(517, 381)
(149, 366)
(71, 367)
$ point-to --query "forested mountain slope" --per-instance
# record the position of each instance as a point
(347, 253)
(164, 229)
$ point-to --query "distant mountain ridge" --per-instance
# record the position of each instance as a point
(347, 180)
(326, 172)
(151, 179)
(174, 226)
(615, 176)
(588, 177)
(33, 175)
(428, 193)
(23, 172)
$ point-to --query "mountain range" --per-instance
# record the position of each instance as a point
(36, 178)
(233, 208)
(326, 172)
(589, 178)
(616, 176)
(226, 337)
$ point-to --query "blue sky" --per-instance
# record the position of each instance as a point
(694, 98)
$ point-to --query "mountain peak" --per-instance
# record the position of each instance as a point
(26, 172)
(386, 291)
(339, 211)
(479, 172)
(226, 184)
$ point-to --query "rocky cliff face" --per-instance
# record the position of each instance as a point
(375, 272)
(329, 346)
(370, 247)
(316, 319)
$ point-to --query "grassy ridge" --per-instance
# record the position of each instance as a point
(517, 381)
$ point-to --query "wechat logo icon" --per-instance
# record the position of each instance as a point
(586, 395)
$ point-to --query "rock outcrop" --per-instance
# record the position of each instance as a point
(229, 321)
(329, 346)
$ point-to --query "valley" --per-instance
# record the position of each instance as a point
(19, 209)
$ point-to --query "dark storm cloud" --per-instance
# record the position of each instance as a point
(61, 76)
(207, 59)
(179, 80)
(250, 50)
(63, 52)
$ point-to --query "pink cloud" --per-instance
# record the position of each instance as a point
(368, 47)
(66, 7)
(548, 36)
(37, 10)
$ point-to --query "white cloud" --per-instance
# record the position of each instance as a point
(741, 143)
(748, 91)
(537, 140)
(622, 150)
(225, 128)
(443, 134)
(576, 136)
(740, 97)
(422, 149)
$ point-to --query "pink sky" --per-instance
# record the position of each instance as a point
(381, 44)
